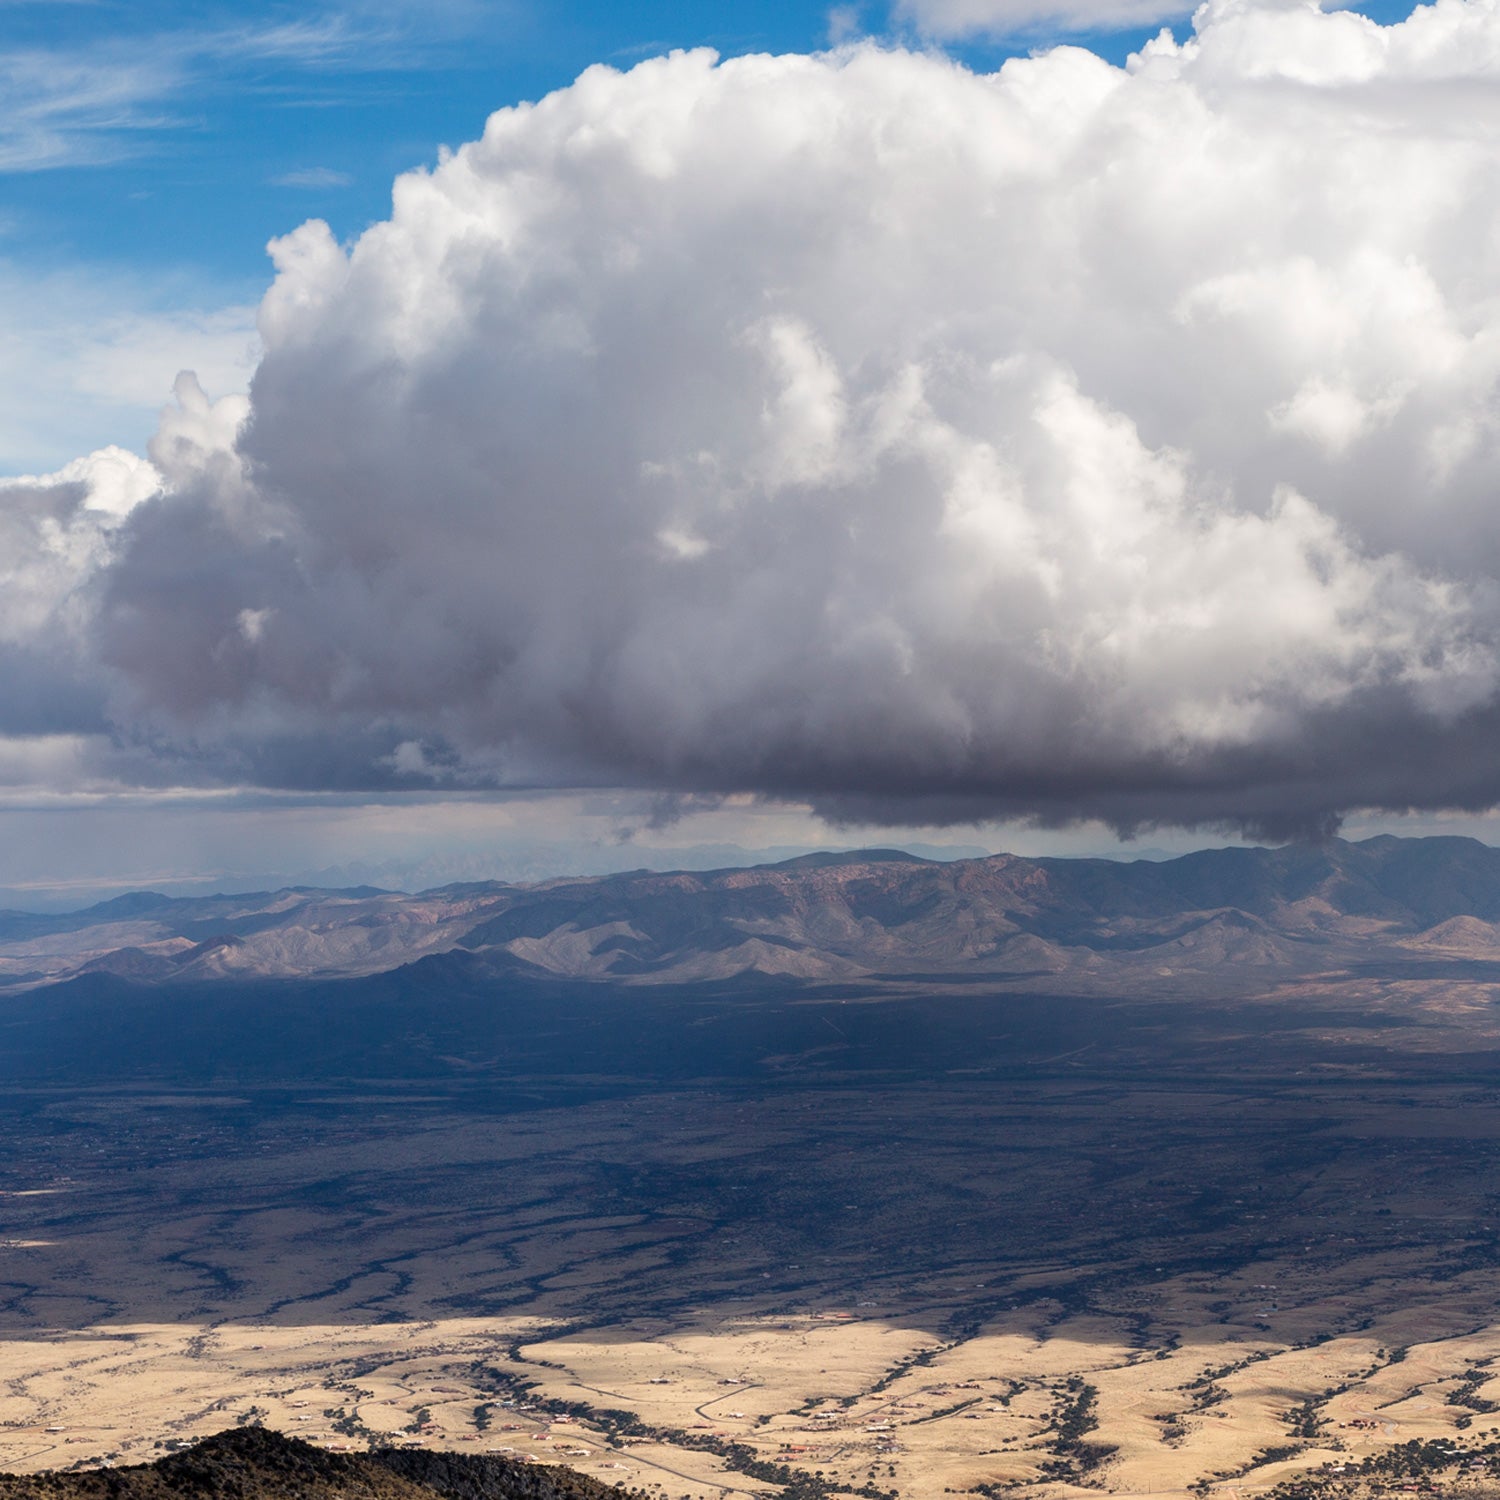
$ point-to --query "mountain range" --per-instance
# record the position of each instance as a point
(874, 915)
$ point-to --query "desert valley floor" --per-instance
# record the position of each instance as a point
(1067, 1279)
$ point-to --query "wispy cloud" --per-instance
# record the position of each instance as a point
(99, 103)
(312, 177)
(957, 19)
(843, 24)
(350, 39)
(68, 110)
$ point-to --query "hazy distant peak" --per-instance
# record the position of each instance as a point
(818, 861)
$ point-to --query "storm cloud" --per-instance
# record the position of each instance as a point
(1072, 441)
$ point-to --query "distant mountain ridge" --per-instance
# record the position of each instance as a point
(835, 917)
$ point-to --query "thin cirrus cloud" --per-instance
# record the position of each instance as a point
(962, 19)
(312, 177)
(1070, 442)
(71, 109)
(109, 101)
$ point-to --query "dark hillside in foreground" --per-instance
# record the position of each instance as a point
(251, 1463)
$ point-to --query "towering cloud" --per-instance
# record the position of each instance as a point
(1069, 441)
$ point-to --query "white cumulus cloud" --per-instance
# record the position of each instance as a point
(1074, 441)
